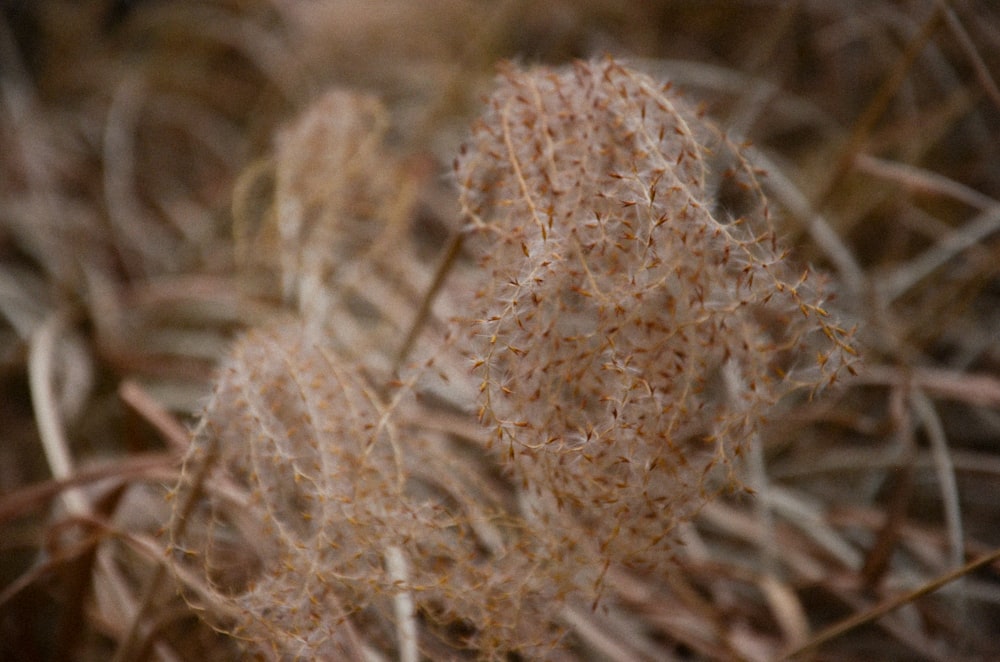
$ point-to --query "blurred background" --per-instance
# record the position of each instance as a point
(127, 125)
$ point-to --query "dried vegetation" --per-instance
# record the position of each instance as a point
(323, 339)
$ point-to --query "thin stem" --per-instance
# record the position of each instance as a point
(877, 106)
(451, 253)
(130, 645)
(883, 608)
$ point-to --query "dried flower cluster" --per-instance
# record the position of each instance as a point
(328, 511)
(631, 333)
(331, 230)
(630, 322)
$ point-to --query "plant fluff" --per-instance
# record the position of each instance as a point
(630, 320)
(632, 330)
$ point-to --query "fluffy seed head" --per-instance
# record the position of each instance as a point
(630, 330)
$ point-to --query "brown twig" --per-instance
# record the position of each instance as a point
(886, 606)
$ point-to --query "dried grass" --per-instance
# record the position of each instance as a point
(125, 275)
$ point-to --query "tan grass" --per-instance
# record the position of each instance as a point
(347, 272)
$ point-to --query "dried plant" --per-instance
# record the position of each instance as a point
(631, 327)
(326, 511)
(561, 404)
(312, 491)
(632, 331)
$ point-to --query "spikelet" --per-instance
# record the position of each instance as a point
(326, 218)
(630, 331)
(631, 320)
(325, 515)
